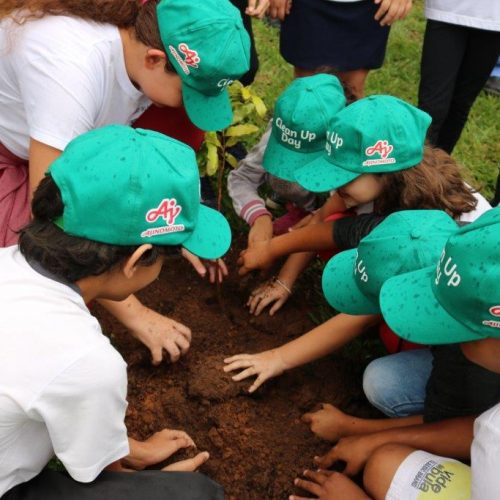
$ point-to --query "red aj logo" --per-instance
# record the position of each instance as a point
(384, 149)
(191, 56)
(495, 311)
(168, 210)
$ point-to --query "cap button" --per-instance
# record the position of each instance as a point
(416, 234)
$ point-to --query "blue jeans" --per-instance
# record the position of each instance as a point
(395, 384)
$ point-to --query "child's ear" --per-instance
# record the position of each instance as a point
(155, 57)
(130, 265)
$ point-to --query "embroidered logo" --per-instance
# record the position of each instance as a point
(360, 269)
(191, 57)
(168, 210)
(495, 311)
(384, 149)
(223, 83)
(448, 269)
(333, 140)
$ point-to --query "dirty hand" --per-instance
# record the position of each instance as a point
(261, 230)
(327, 423)
(392, 10)
(265, 365)
(329, 485)
(157, 448)
(216, 269)
(258, 256)
(257, 8)
(159, 333)
(279, 9)
(353, 450)
(267, 293)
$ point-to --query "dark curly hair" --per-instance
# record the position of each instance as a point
(70, 257)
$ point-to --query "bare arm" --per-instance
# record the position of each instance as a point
(40, 158)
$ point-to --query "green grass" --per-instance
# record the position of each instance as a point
(479, 147)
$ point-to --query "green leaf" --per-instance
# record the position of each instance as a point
(212, 159)
(231, 160)
(211, 138)
(241, 111)
(232, 141)
(241, 130)
(260, 107)
(245, 93)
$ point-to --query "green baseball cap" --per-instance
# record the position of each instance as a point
(125, 186)
(209, 48)
(457, 301)
(300, 122)
(403, 242)
(376, 134)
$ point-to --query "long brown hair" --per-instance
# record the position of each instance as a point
(121, 13)
(435, 183)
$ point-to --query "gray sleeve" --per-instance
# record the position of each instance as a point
(243, 182)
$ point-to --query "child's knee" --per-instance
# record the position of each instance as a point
(381, 468)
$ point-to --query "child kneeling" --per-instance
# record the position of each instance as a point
(104, 218)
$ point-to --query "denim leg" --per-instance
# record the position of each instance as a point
(396, 384)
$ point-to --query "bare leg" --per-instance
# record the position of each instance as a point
(355, 81)
(381, 468)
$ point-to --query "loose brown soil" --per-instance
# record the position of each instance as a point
(257, 443)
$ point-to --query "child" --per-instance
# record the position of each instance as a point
(99, 62)
(404, 241)
(455, 302)
(63, 387)
(438, 306)
(375, 153)
(296, 136)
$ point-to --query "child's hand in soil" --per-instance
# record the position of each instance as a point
(353, 450)
(265, 365)
(258, 256)
(267, 293)
(159, 333)
(160, 446)
(329, 485)
(216, 269)
(328, 423)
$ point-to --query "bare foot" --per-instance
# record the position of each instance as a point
(328, 423)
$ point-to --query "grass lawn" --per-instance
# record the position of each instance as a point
(479, 147)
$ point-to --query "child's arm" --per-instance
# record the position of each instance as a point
(313, 237)
(243, 184)
(319, 342)
(450, 438)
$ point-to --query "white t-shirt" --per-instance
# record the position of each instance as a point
(481, 207)
(62, 385)
(485, 456)
(482, 14)
(59, 77)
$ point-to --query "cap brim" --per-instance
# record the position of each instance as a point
(211, 237)
(340, 288)
(208, 112)
(283, 162)
(411, 310)
(320, 176)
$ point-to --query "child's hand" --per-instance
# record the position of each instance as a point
(262, 230)
(329, 485)
(279, 9)
(216, 269)
(353, 450)
(267, 293)
(159, 333)
(257, 8)
(160, 446)
(327, 423)
(258, 256)
(265, 365)
(392, 10)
